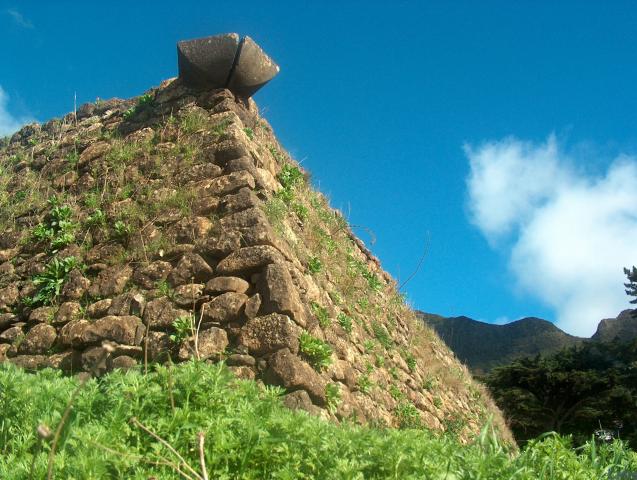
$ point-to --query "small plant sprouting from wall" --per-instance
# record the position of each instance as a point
(51, 281)
(314, 265)
(345, 322)
(315, 351)
(407, 415)
(382, 335)
(183, 327)
(59, 228)
(410, 360)
(144, 102)
(322, 315)
(364, 383)
(333, 396)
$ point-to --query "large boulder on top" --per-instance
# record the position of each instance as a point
(206, 62)
(252, 70)
(223, 61)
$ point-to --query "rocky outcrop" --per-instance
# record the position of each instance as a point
(187, 232)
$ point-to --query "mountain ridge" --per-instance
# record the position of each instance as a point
(483, 346)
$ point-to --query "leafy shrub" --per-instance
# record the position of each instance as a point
(333, 396)
(122, 230)
(410, 360)
(316, 352)
(407, 415)
(322, 315)
(364, 383)
(249, 133)
(300, 210)
(314, 265)
(429, 382)
(96, 219)
(58, 229)
(183, 327)
(345, 321)
(380, 361)
(395, 392)
(144, 102)
(290, 176)
(164, 289)
(356, 266)
(382, 336)
(51, 281)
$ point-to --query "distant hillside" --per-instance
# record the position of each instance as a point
(623, 327)
(483, 346)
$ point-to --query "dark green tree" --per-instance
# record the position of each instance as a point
(631, 286)
(571, 392)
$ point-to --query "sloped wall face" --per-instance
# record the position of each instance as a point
(173, 227)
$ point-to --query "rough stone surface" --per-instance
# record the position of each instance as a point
(279, 294)
(248, 259)
(158, 345)
(270, 333)
(99, 308)
(188, 295)
(94, 151)
(127, 330)
(210, 343)
(123, 362)
(300, 400)
(227, 284)
(245, 219)
(148, 276)
(243, 373)
(42, 315)
(288, 370)
(190, 269)
(242, 200)
(253, 304)
(230, 183)
(224, 308)
(38, 340)
(68, 311)
(7, 319)
(161, 313)
(238, 360)
(72, 334)
(30, 362)
(111, 281)
(75, 286)
(129, 303)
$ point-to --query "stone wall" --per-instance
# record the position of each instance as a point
(190, 240)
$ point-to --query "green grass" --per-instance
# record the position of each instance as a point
(248, 435)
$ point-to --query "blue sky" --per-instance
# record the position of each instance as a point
(498, 136)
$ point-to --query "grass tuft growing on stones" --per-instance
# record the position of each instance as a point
(134, 426)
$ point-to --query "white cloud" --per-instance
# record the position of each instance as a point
(8, 122)
(570, 233)
(19, 19)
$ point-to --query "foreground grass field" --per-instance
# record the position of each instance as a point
(196, 421)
